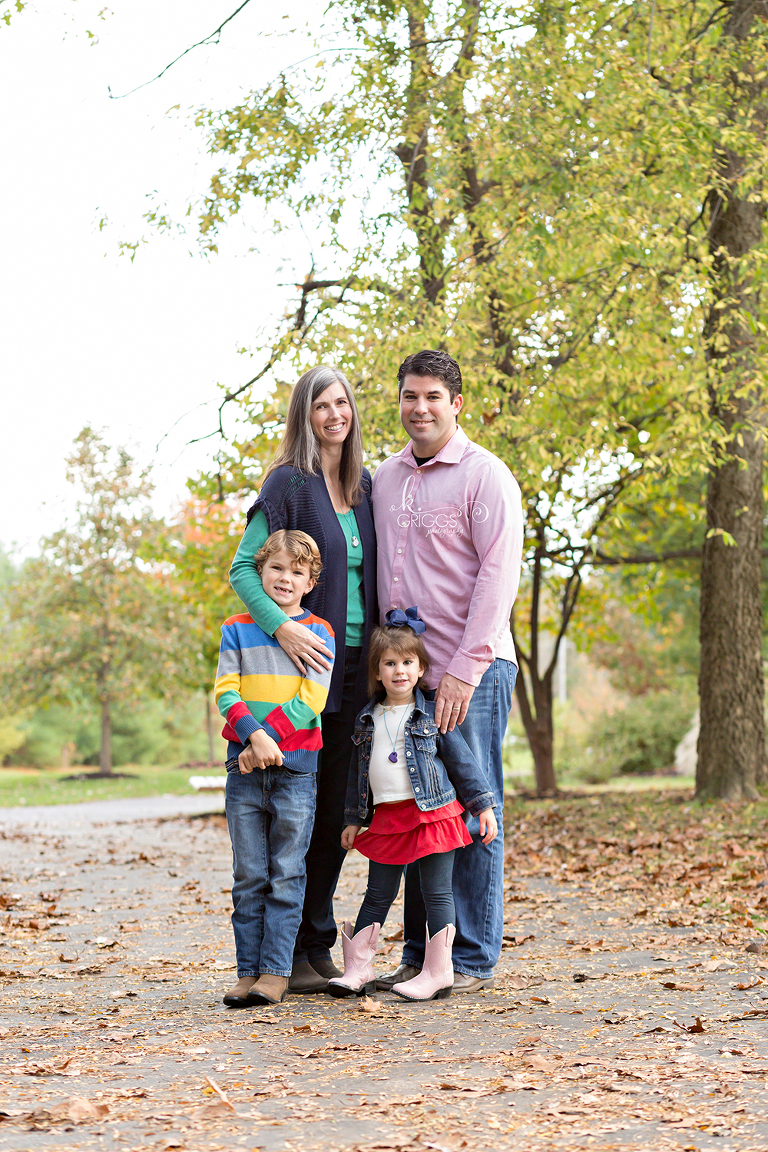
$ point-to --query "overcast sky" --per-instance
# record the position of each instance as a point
(87, 336)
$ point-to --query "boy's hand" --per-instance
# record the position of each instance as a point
(349, 834)
(489, 829)
(262, 751)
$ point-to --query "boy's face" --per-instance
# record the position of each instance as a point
(285, 581)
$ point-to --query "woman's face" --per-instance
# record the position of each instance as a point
(331, 416)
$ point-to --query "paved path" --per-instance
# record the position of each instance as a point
(71, 818)
(115, 949)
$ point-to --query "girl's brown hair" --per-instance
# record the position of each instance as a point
(404, 642)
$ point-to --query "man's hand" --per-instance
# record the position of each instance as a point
(451, 702)
(303, 647)
(261, 752)
(489, 829)
(349, 834)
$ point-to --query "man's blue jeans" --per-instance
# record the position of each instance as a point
(478, 870)
(270, 816)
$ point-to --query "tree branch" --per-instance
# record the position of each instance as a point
(212, 37)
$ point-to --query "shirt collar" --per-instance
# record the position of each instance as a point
(450, 453)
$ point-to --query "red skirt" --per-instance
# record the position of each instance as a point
(401, 833)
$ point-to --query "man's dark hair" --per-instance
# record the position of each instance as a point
(429, 362)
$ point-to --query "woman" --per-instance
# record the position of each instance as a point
(317, 483)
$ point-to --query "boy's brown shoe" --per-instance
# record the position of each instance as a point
(237, 997)
(268, 989)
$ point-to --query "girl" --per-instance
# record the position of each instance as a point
(413, 773)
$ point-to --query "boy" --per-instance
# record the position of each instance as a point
(272, 716)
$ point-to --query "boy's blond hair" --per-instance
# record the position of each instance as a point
(299, 546)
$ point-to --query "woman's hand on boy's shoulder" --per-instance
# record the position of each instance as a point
(303, 647)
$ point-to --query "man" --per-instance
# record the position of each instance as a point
(449, 525)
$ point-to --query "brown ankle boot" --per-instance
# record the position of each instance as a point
(268, 989)
(237, 997)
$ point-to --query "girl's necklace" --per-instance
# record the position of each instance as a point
(393, 754)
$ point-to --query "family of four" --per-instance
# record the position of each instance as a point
(365, 695)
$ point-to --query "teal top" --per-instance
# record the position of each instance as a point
(263, 609)
(355, 597)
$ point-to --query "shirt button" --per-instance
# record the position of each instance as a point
(418, 471)
(399, 551)
(417, 789)
(396, 579)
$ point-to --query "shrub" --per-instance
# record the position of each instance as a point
(640, 739)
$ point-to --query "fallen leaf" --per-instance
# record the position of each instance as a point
(76, 1110)
(221, 1094)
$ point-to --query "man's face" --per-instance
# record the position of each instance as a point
(428, 414)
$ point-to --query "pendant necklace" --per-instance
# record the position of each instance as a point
(355, 541)
(393, 754)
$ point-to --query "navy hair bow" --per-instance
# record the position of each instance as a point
(397, 618)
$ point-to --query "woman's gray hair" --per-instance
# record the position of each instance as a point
(299, 447)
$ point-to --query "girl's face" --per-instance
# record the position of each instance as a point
(399, 674)
(331, 416)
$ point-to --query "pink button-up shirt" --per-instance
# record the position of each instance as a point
(450, 540)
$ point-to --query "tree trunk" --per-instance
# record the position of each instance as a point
(539, 727)
(731, 748)
(105, 752)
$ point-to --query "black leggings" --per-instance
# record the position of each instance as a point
(436, 875)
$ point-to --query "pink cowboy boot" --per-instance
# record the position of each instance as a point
(435, 980)
(359, 951)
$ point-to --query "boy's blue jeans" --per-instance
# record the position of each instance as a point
(270, 816)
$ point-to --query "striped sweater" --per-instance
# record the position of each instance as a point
(259, 686)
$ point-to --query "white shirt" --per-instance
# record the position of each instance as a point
(389, 782)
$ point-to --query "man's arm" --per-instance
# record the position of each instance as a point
(498, 541)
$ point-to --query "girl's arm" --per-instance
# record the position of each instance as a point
(464, 772)
(348, 836)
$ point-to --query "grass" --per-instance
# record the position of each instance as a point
(31, 786)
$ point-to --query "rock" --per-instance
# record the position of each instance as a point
(686, 757)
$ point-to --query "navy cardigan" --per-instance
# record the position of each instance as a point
(295, 500)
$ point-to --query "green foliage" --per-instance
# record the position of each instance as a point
(97, 619)
(19, 786)
(144, 731)
(638, 740)
(529, 187)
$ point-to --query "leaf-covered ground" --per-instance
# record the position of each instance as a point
(627, 1012)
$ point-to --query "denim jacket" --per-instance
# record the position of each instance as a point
(440, 765)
